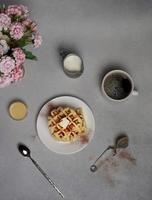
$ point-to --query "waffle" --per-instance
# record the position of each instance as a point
(66, 124)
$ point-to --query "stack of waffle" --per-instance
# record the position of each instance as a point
(66, 124)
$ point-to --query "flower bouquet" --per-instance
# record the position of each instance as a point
(17, 31)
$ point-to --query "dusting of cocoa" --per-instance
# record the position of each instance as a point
(49, 108)
(107, 176)
(84, 139)
(110, 165)
(92, 157)
(125, 155)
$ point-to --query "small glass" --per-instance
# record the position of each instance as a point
(72, 64)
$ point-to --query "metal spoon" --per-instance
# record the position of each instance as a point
(122, 141)
(25, 151)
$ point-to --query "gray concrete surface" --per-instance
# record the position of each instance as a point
(104, 32)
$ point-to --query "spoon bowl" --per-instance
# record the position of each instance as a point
(24, 150)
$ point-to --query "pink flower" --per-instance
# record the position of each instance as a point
(5, 81)
(1, 52)
(34, 27)
(7, 64)
(27, 22)
(14, 10)
(3, 47)
(24, 9)
(17, 73)
(19, 56)
(17, 30)
(5, 21)
(37, 39)
(30, 24)
(17, 10)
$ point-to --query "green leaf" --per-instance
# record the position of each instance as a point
(2, 6)
(29, 55)
(22, 42)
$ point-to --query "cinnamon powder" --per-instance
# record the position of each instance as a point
(125, 155)
(84, 139)
(111, 165)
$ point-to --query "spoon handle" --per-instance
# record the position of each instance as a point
(93, 167)
(102, 154)
(47, 177)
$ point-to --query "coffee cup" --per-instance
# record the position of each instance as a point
(118, 85)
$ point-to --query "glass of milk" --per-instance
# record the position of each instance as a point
(73, 65)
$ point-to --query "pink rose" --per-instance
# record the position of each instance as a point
(19, 56)
(17, 10)
(17, 30)
(5, 21)
(17, 73)
(7, 64)
(37, 40)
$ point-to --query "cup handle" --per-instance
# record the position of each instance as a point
(135, 92)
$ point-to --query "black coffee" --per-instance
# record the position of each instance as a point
(117, 86)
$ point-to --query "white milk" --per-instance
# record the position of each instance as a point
(72, 63)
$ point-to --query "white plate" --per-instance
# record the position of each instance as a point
(64, 147)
